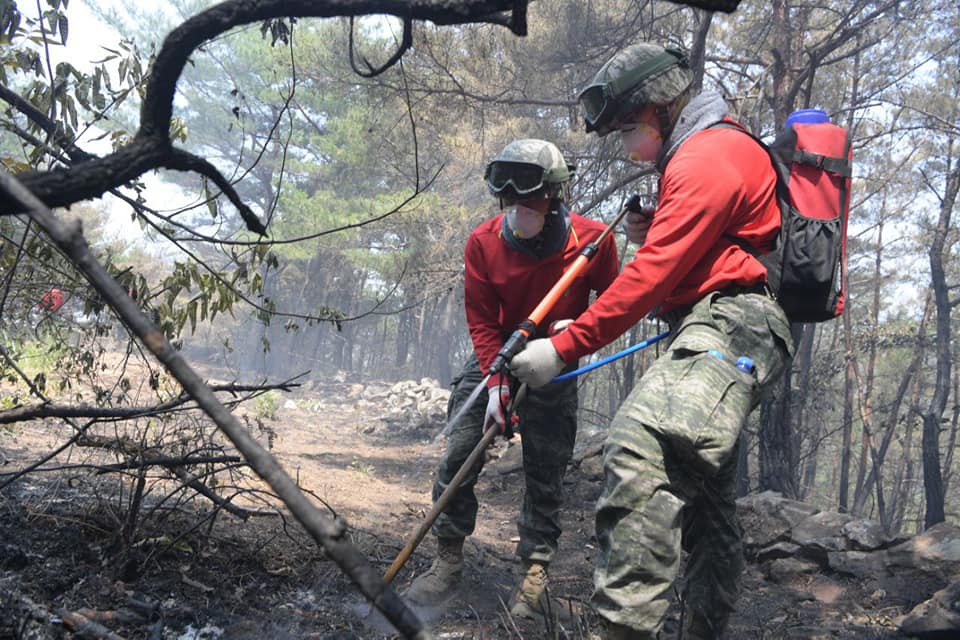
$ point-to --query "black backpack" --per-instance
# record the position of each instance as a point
(807, 269)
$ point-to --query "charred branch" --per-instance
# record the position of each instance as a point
(152, 148)
(50, 410)
(41, 119)
(83, 627)
(727, 6)
(64, 186)
(183, 161)
(222, 503)
(168, 462)
(372, 71)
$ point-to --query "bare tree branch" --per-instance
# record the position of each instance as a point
(728, 6)
(42, 120)
(405, 44)
(152, 148)
(183, 161)
(50, 410)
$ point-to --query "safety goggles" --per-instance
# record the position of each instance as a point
(522, 177)
(602, 101)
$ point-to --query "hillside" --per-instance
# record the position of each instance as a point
(368, 452)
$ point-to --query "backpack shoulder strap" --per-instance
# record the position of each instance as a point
(725, 124)
(740, 242)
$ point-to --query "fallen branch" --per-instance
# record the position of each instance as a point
(331, 535)
(169, 462)
(224, 503)
(52, 410)
(84, 627)
(120, 616)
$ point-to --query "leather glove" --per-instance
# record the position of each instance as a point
(538, 364)
(497, 402)
(637, 225)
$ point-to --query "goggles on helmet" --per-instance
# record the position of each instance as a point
(601, 102)
(523, 177)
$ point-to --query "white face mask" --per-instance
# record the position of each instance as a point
(642, 142)
(524, 221)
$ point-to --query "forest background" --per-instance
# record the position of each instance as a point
(368, 184)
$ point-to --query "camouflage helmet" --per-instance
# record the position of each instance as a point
(526, 168)
(639, 75)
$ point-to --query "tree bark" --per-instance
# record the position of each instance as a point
(846, 448)
(779, 460)
(865, 385)
(933, 414)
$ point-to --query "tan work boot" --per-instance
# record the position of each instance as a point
(440, 581)
(529, 598)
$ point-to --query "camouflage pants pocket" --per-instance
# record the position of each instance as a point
(703, 414)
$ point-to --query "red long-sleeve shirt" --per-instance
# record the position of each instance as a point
(502, 286)
(718, 184)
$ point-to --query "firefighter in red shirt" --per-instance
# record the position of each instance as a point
(671, 454)
(52, 300)
(511, 261)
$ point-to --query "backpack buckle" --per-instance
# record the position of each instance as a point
(769, 291)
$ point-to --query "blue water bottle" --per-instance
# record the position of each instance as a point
(807, 116)
(745, 364)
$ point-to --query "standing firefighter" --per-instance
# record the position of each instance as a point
(671, 454)
(511, 261)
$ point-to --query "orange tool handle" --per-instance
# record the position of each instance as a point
(540, 312)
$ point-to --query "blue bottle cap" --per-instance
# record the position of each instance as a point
(807, 116)
(716, 354)
(745, 363)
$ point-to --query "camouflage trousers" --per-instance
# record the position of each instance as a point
(670, 464)
(548, 430)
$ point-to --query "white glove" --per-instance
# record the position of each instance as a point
(637, 225)
(497, 403)
(557, 326)
(538, 364)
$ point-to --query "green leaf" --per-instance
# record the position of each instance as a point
(211, 200)
(192, 315)
(178, 129)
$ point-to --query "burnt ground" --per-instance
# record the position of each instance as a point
(188, 571)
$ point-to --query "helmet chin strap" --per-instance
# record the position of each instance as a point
(664, 120)
(667, 114)
(554, 205)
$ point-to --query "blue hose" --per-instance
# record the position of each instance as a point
(609, 359)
